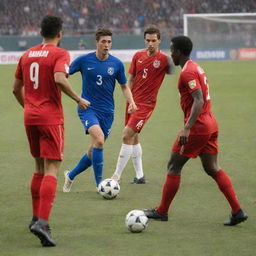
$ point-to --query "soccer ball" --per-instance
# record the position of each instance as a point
(136, 221)
(109, 188)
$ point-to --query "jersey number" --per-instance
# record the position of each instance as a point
(207, 85)
(99, 81)
(33, 74)
(145, 73)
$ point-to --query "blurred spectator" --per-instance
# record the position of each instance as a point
(21, 17)
(81, 45)
(22, 44)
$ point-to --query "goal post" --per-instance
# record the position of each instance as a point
(221, 30)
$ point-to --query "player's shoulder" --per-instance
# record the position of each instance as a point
(190, 66)
(33, 48)
(114, 59)
(140, 53)
(85, 57)
(163, 54)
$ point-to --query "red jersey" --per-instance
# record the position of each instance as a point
(149, 72)
(36, 68)
(193, 77)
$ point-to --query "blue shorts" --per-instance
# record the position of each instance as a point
(90, 117)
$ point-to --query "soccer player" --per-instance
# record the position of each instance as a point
(147, 71)
(99, 71)
(39, 79)
(198, 137)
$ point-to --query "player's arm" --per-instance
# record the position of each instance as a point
(18, 91)
(170, 69)
(198, 103)
(131, 80)
(128, 95)
(62, 81)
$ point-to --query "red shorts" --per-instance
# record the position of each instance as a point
(137, 119)
(46, 141)
(197, 144)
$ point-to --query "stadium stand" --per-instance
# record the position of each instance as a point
(21, 17)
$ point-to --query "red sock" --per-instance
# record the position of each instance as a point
(170, 189)
(47, 194)
(35, 191)
(226, 187)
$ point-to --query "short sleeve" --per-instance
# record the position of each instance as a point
(18, 72)
(132, 69)
(75, 66)
(191, 81)
(121, 78)
(62, 62)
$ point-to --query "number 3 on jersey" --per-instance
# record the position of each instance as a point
(33, 74)
(99, 81)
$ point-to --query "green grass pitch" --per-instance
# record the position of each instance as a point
(85, 224)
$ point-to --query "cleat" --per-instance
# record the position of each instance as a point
(33, 221)
(154, 214)
(67, 183)
(116, 178)
(139, 181)
(237, 218)
(43, 232)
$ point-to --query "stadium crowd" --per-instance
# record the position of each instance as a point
(21, 17)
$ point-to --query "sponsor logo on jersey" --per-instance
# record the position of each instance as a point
(156, 63)
(90, 68)
(140, 61)
(139, 124)
(192, 84)
(111, 71)
(86, 122)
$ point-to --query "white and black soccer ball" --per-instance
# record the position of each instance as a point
(136, 221)
(109, 188)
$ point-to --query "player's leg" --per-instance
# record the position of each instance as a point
(51, 149)
(83, 164)
(98, 140)
(137, 122)
(125, 152)
(170, 187)
(33, 135)
(87, 118)
(47, 193)
(137, 161)
(211, 167)
(35, 188)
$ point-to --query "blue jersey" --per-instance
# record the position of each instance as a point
(99, 79)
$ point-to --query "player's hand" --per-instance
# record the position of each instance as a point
(132, 107)
(184, 136)
(83, 103)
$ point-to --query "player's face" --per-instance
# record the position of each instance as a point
(152, 43)
(104, 45)
(175, 55)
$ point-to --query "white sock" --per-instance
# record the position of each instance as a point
(137, 160)
(124, 155)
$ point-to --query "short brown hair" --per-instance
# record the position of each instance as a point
(102, 32)
(152, 30)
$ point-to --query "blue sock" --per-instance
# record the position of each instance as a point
(82, 165)
(97, 163)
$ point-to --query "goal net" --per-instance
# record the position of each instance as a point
(226, 30)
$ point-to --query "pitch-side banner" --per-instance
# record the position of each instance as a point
(13, 57)
(224, 54)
